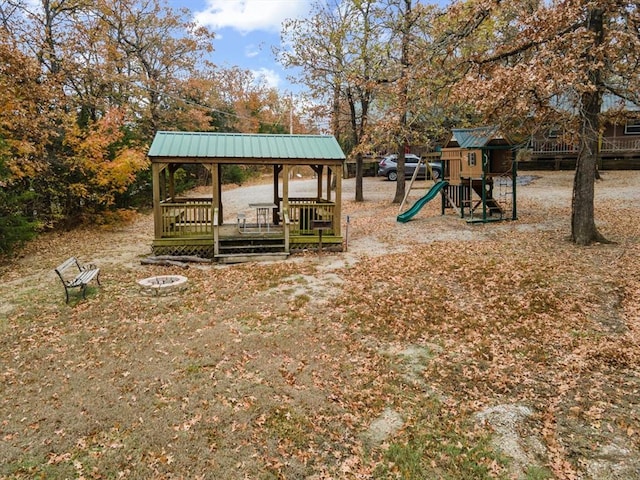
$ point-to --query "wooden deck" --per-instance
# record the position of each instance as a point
(188, 228)
(609, 146)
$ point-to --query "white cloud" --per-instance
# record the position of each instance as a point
(270, 77)
(250, 15)
(251, 51)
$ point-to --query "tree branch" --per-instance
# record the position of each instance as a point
(528, 45)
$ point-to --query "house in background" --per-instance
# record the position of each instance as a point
(619, 145)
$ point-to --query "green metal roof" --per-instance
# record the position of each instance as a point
(245, 146)
(474, 137)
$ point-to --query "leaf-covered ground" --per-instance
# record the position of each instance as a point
(432, 349)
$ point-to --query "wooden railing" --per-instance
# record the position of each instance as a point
(608, 145)
(194, 217)
(302, 213)
(613, 145)
(552, 146)
(186, 217)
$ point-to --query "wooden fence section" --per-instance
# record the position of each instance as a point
(303, 212)
(186, 217)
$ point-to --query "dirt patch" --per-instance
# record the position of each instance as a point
(511, 438)
(371, 363)
(384, 427)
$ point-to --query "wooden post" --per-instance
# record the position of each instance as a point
(162, 182)
(156, 168)
(172, 181)
(285, 187)
(337, 211)
(285, 203)
(216, 191)
(319, 171)
(216, 233)
(276, 201)
(320, 226)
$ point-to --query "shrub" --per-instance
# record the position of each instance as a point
(16, 227)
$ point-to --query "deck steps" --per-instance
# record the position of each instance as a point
(260, 247)
(250, 257)
(254, 250)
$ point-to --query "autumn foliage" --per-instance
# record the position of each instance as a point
(84, 86)
(101, 165)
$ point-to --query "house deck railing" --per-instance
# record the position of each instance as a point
(607, 145)
(552, 146)
(613, 145)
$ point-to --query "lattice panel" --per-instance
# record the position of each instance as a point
(313, 247)
(204, 251)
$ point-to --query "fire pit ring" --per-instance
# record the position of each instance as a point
(163, 284)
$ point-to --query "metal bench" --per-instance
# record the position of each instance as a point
(85, 274)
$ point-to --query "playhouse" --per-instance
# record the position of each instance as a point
(480, 171)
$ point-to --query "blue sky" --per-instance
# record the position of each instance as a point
(246, 31)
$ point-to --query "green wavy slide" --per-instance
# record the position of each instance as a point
(404, 217)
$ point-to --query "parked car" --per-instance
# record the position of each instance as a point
(388, 167)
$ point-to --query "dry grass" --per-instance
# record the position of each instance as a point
(281, 370)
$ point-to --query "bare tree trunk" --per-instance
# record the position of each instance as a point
(359, 177)
(401, 185)
(407, 22)
(583, 226)
(355, 136)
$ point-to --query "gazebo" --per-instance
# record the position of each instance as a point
(187, 225)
